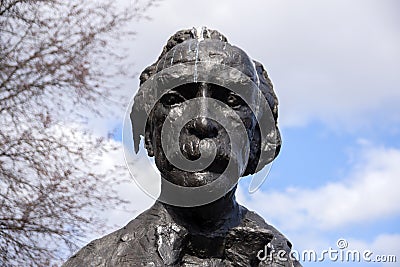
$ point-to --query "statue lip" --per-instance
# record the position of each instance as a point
(191, 147)
(217, 166)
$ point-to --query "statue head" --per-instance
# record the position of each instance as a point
(207, 111)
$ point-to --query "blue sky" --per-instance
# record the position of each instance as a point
(335, 67)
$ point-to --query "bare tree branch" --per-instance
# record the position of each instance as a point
(52, 58)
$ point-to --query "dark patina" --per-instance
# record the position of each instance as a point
(220, 232)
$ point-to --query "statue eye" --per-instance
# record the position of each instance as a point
(172, 99)
(234, 101)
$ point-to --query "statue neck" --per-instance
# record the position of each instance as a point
(219, 215)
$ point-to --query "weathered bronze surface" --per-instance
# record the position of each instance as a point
(215, 230)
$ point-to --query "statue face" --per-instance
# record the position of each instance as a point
(195, 110)
(199, 132)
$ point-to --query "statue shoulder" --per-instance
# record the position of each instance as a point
(114, 248)
(94, 253)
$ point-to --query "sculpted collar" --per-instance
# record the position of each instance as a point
(239, 246)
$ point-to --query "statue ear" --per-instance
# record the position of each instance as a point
(264, 149)
(148, 140)
(271, 141)
(270, 147)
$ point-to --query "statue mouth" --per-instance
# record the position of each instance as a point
(191, 148)
(219, 165)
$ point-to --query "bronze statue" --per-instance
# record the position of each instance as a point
(208, 114)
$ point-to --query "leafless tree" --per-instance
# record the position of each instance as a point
(57, 60)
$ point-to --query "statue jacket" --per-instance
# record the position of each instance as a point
(155, 239)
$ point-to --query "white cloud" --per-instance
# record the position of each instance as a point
(380, 247)
(383, 245)
(312, 218)
(128, 190)
(124, 184)
(368, 193)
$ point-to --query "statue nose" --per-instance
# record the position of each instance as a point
(204, 128)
